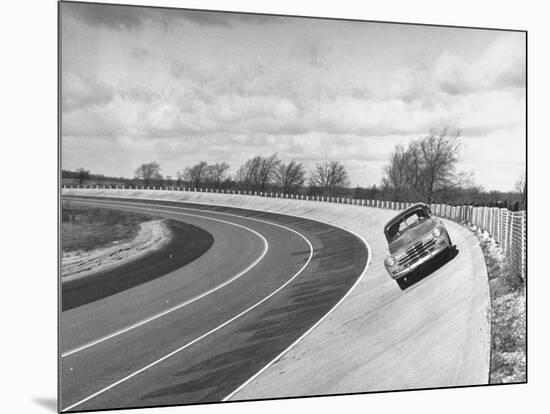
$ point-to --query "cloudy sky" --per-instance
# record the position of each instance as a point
(179, 87)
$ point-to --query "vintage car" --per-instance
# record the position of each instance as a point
(414, 237)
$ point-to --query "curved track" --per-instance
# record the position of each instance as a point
(434, 334)
(197, 333)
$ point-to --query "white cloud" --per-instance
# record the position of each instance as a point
(502, 66)
(81, 91)
(156, 97)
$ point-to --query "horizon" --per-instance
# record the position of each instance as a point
(179, 86)
(231, 177)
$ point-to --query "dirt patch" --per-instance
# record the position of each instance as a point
(86, 228)
(186, 244)
(151, 236)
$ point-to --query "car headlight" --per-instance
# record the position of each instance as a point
(436, 232)
(390, 261)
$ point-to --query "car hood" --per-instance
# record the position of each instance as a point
(411, 236)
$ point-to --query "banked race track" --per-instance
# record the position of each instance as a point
(290, 299)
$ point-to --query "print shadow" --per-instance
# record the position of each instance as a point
(48, 403)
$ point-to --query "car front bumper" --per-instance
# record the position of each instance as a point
(397, 272)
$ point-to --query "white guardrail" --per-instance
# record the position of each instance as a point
(508, 228)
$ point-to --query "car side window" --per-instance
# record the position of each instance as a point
(415, 217)
(422, 214)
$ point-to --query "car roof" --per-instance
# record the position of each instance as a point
(403, 213)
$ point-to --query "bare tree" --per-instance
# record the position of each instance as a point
(82, 175)
(329, 175)
(396, 179)
(196, 174)
(289, 176)
(179, 178)
(257, 172)
(414, 170)
(427, 165)
(148, 171)
(267, 171)
(247, 173)
(521, 188)
(440, 154)
(319, 176)
(216, 173)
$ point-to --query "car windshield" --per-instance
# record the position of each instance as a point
(406, 222)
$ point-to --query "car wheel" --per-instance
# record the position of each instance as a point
(402, 283)
(449, 254)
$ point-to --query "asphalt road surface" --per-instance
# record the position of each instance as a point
(199, 332)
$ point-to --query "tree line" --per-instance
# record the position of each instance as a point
(259, 173)
(424, 170)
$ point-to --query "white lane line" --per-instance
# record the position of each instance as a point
(187, 302)
(270, 363)
(158, 361)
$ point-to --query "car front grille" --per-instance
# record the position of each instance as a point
(416, 252)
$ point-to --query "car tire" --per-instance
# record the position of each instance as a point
(450, 252)
(402, 283)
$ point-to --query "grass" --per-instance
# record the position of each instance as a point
(85, 228)
(508, 317)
